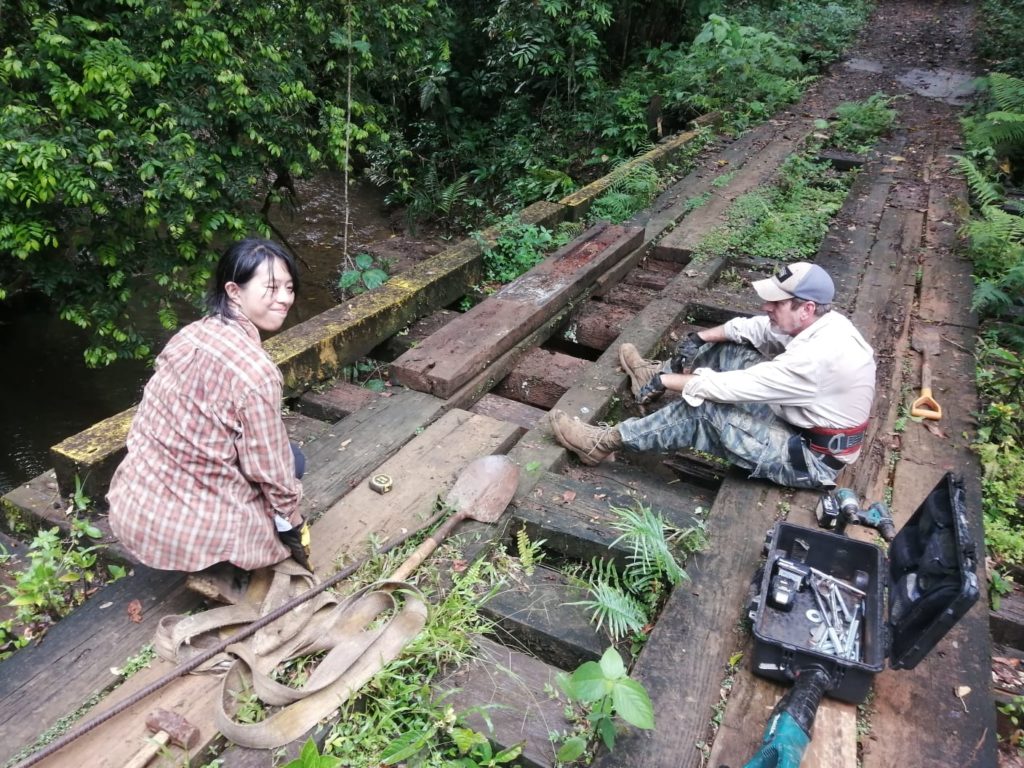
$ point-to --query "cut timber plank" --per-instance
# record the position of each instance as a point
(510, 686)
(541, 377)
(598, 324)
(336, 403)
(681, 242)
(751, 700)
(512, 411)
(428, 463)
(1007, 623)
(48, 680)
(535, 612)
(351, 449)
(575, 518)
(423, 470)
(464, 347)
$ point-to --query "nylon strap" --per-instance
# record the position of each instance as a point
(360, 633)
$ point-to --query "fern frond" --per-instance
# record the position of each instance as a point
(985, 191)
(1008, 226)
(1001, 130)
(610, 604)
(1007, 91)
(651, 556)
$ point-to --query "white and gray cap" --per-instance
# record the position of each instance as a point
(800, 280)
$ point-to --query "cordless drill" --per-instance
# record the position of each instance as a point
(837, 509)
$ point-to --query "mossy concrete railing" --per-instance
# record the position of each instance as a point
(319, 347)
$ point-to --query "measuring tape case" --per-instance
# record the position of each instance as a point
(929, 576)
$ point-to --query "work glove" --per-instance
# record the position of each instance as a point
(650, 391)
(685, 351)
(297, 541)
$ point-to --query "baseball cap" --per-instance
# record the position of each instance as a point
(800, 280)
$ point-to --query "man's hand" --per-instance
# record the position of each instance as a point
(685, 351)
(650, 391)
(297, 541)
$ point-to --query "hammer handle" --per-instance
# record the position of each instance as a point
(151, 749)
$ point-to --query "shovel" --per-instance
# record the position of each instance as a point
(925, 407)
(481, 493)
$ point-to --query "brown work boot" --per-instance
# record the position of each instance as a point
(591, 444)
(640, 371)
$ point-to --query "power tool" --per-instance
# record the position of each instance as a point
(837, 509)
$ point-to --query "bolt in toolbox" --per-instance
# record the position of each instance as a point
(821, 599)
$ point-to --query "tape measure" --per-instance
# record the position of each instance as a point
(380, 483)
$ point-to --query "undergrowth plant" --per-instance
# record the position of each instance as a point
(362, 273)
(602, 691)
(859, 124)
(785, 221)
(624, 603)
(632, 189)
(56, 573)
(995, 244)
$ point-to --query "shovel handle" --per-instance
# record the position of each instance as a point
(926, 407)
(427, 547)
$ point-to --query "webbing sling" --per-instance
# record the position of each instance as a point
(360, 633)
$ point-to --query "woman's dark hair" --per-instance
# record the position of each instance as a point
(238, 264)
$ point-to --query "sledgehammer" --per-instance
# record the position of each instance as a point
(168, 727)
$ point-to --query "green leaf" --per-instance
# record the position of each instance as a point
(466, 738)
(349, 278)
(588, 682)
(508, 755)
(571, 749)
(375, 385)
(374, 277)
(612, 665)
(606, 730)
(405, 746)
(363, 261)
(632, 703)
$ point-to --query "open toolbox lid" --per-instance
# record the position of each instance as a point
(932, 574)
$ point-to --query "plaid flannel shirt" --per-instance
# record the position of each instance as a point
(208, 455)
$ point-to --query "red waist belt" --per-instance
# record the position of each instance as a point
(836, 442)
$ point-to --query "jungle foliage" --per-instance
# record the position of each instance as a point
(138, 138)
(994, 171)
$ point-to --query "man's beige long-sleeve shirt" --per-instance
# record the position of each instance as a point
(822, 377)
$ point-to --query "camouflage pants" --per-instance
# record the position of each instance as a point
(748, 435)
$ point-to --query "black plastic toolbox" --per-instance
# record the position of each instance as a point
(929, 578)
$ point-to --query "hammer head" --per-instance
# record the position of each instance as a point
(180, 730)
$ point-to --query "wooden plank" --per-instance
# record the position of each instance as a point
(541, 377)
(464, 347)
(682, 241)
(335, 403)
(512, 411)
(1007, 623)
(429, 462)
(574, 516)
(510, 685)
(535, 613)
(352, 448)
(423, 470)
(751, 700)
(597, 324)
(50, 679)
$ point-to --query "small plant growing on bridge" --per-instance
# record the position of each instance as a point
(603, 691)
(859, 124)
(363, 274)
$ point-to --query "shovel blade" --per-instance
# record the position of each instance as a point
(484, 488)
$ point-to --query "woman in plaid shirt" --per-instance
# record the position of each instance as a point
(210, 477)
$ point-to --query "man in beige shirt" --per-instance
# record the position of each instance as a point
(785, 395)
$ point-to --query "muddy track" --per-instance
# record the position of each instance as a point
(891, 251)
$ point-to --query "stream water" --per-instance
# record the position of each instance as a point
(46, 391)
